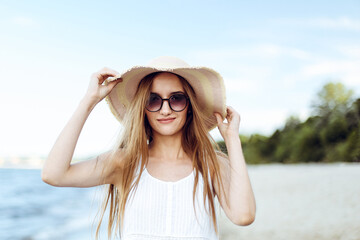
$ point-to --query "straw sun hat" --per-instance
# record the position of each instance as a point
(208, 86)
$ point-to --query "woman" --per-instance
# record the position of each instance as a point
(165, 170)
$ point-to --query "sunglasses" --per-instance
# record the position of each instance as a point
(177, 102)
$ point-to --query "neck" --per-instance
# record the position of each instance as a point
(167, 148)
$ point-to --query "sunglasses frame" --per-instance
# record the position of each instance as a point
(168, 99)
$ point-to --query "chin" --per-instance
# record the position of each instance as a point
(167, 130)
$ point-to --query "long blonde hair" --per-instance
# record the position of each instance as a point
(133, 141)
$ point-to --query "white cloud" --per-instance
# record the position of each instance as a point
(273, 50)
(336, 23)
(264, 50)
(352, 51)
(340, 23)
(347, 71)
(264, 121)
(353, 79)
(241, 85)
(250, 69)
(330, 67)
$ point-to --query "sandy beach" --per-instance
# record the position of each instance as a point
(302, 201)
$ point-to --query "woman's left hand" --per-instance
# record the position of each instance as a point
(231, 128)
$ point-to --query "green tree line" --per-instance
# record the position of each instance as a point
(330, 134)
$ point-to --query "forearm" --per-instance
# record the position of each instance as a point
(241, 196)
(60, 156)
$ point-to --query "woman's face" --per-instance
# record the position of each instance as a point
(166, 121)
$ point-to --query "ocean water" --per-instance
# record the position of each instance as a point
(31, 209)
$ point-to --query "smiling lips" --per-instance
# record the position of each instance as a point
(166, 120)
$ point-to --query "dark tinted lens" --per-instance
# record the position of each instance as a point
(178, 102)
(154, 103)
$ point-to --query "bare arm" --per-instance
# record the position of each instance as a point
(241, 207)
(58, 170)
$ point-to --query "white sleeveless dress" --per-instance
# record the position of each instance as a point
(162, 210)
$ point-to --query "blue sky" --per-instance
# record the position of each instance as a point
(274, 57)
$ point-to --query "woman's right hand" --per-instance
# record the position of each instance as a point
(97, 89)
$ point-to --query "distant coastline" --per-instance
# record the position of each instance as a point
(32, 162)
(25, 162)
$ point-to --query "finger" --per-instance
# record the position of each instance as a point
(110, 79)
(104, 73)
(233, 117)
(219, 118)
(112, 84)
(103, 76)
(228, 114)
(232, 112)
(109, 71)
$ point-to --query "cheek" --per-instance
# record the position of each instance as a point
(150, 117)
(184, 114)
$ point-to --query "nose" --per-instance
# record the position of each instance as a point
(165, 109)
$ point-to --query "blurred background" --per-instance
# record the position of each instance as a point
(290, 69)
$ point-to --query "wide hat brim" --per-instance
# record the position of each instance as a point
(208, 86)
